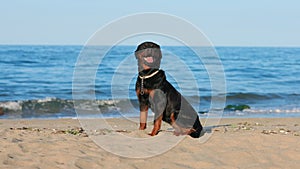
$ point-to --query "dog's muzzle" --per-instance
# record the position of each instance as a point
(150, 57)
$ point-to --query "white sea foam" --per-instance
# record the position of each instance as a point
(47, 99)
(272, 111)
(15, 106)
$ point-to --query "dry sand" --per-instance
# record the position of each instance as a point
(234, 143)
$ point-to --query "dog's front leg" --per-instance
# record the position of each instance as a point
(143, 101)
(156, 127)
(158, 103)
(143, 119)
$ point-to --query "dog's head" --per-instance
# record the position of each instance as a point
(148, 55)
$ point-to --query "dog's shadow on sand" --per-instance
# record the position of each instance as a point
(209, 129)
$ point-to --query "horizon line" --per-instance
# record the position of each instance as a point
(45, 44)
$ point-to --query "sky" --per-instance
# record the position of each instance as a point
(225, 23)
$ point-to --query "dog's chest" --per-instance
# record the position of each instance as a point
(155, 82)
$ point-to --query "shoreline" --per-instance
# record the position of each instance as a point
(234, 143)
(149, 117)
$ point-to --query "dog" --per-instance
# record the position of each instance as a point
(155, 92)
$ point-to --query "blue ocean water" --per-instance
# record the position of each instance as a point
(38, 81)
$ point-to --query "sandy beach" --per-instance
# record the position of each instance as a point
(234, 143)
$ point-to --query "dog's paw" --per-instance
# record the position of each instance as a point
(143, 126)
(154, 133)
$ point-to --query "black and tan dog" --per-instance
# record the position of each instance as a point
(155, 92)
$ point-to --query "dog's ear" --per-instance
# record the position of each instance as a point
(138, 53)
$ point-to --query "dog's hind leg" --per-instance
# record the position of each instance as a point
(177, 131)
(197, 129)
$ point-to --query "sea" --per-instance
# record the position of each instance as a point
(47, 81)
